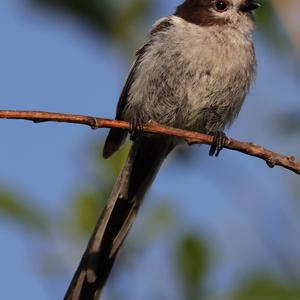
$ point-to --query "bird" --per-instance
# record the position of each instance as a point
(193, 73)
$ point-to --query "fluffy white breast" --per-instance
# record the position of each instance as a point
(192, 77)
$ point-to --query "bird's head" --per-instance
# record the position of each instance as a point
(237, 13)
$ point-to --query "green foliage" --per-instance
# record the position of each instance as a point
(269, 25)
(267, 288)
(85, 210)
(22, 212)
(191, 258)
(114, 18)
(113, 165)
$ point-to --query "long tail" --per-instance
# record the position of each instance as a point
(143, 162)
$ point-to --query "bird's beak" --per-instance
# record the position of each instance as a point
(249, 5)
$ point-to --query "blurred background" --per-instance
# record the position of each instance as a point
(226, 228)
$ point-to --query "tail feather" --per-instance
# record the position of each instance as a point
(114, 141)
(143, 162)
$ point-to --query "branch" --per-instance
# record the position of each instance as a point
(271, 158)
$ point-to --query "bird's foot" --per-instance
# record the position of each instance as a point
(218, 143)
(136, 128)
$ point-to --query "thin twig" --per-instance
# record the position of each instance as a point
(271, 158)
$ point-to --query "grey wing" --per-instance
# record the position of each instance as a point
(117, 136)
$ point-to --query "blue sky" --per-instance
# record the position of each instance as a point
(48, 62)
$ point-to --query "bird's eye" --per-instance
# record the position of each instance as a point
(221, 6)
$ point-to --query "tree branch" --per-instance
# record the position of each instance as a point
(271, 158)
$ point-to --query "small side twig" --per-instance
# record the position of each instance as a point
(271, 158)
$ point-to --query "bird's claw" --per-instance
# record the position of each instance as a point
(136, 127)
(218, 143)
